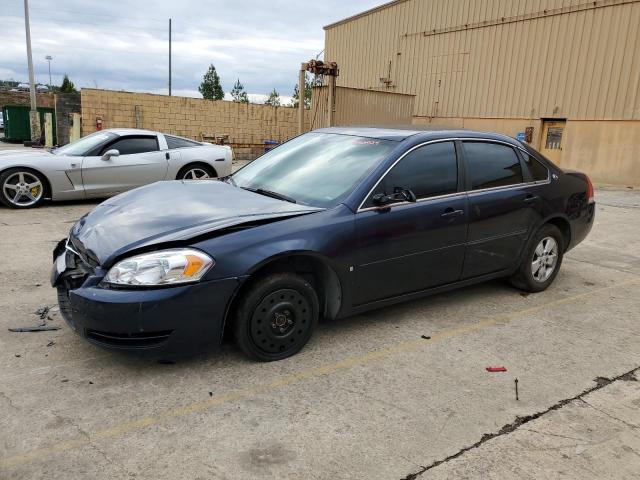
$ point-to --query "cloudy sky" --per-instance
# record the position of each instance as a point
(122, 44)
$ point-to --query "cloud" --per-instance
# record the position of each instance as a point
(123, 44)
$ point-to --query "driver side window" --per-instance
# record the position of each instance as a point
(428, 171)
(132, 145)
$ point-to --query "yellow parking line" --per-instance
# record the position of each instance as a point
(347, 363)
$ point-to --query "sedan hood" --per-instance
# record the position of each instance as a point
(171, 211)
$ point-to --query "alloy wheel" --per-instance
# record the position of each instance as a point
(22, 189)
(196, 174)
(545, 259)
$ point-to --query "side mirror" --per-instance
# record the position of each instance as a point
(109, 154)
(400, 195)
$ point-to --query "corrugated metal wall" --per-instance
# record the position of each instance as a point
(361, 107)
(497, 58)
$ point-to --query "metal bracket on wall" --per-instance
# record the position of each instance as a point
(138, 113)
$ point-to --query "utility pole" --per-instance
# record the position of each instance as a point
(301, 96)
(48, 58)
(33, 114)
(169, 57)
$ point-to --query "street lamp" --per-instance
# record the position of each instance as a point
(48, 58)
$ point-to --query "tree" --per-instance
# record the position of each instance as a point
(67, 85)
(238, 93)
(274, 99)
(295, 98)
(210, 88)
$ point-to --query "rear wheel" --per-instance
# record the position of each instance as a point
(195, 172)
(22, 188)
(276, 317)
(542, 260)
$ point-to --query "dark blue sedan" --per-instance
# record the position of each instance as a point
(332, 223)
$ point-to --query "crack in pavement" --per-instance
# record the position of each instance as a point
(613, 417)
(601, 382)
(85, 434)
(600, 265)
(554, 435)
(9, 401)
(618, 205)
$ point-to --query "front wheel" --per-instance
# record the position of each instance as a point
(22, 188)
(542, 260)
(276, 317)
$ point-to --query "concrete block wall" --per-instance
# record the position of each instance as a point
(248, 125)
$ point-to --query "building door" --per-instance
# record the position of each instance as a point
(552, 140)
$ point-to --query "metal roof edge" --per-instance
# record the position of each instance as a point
(363, 14)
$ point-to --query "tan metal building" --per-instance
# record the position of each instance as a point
(563, 73)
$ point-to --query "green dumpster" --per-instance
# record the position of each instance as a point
(16, 122)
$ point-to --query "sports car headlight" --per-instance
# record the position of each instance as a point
(164, 267)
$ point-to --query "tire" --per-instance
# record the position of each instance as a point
(30, 187)
(276, 317)
(547, 247)
(200, 170)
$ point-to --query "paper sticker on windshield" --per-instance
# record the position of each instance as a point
(365, 142)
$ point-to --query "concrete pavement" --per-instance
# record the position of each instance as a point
(368, 397)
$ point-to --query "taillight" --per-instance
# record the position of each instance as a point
(590, 195)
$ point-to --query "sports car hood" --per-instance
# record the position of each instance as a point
(11, 154)
(171, 211)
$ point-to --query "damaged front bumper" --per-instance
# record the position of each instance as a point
(168, 320)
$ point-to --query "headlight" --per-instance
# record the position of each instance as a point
(165, 267)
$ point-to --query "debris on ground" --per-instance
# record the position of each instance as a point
(496, 369)
(51, 343)
(43, 315)
(426, 337)
(38, 328)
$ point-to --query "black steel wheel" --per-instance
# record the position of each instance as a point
(276, 317)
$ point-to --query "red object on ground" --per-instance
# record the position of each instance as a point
(496, 369)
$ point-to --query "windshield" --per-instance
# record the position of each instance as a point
(317, 169)
(84, 145)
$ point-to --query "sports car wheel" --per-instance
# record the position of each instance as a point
(22, 188)
(276, 317)
(196, 172)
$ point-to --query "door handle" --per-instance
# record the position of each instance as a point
(166, 155)
(531, 199)
(451, 213)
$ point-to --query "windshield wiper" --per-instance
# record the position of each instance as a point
(228, 179)
(269, 193)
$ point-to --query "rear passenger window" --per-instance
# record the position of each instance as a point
(177, 142)
(492, 165)
(427, 171)
(536, 169)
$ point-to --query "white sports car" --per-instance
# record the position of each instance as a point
(106, 163)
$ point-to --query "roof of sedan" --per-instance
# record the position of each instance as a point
(402, 132)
